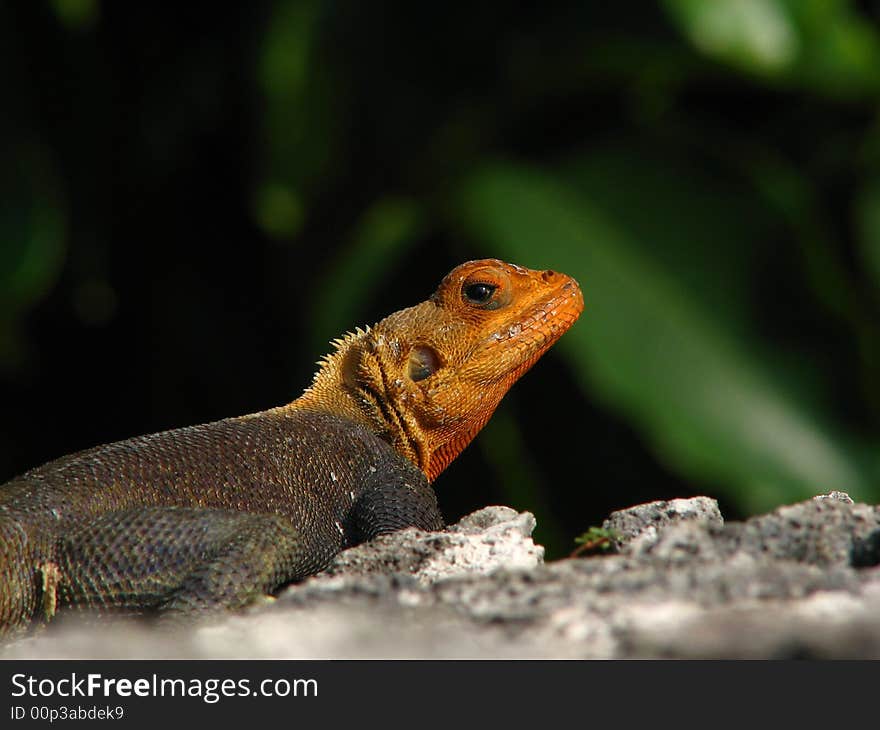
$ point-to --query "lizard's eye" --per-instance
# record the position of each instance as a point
(423, 362)
(479, 292)
(486, 288)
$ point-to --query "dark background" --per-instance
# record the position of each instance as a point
(195, 198)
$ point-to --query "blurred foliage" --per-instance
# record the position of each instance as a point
(76, 14)
(709, 170)
(383, 232)
(32, 225)
(826, 46)
(654, 347)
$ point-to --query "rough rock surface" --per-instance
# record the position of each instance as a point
(802, 581)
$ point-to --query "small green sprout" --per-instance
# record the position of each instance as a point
(596, 541)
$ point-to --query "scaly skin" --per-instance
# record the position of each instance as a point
(213, 516)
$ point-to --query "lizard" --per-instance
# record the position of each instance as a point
(216, 515)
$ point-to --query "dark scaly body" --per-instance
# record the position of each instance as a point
(127, 525)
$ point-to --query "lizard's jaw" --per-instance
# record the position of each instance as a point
(511, 350)
(462, 401)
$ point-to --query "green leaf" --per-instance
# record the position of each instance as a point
(712, 408)
(756, 35)
(825, 45)
(299, 121)
(33, 232)
(76, 14)
(278, 210)
(384, 232)
(594, 534)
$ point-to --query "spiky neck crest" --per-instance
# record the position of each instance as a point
(353, 382)
(328, 389)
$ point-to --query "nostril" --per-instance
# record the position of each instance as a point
(548, 275)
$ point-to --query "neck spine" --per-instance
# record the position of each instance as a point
(350, 383)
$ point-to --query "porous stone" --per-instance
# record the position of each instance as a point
(801, 581)
(491, 538)
(644, 520)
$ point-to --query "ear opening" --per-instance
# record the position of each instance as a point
(424, 361)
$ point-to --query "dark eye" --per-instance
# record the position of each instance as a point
(479, 293)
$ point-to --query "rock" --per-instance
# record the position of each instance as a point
(490, 538)
(801, 581)
(836, 496)
(644, 520)
(818, 532)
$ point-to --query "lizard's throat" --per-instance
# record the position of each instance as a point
(422, 447)
(445, 453)
(393, 423)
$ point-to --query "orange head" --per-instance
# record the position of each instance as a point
(430, 376)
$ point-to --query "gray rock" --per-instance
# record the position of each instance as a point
(643, 521)
(490, 538)
(836, 496)
(818, 532)
(802, 581)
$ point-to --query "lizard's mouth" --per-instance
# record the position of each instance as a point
(522, 343)
(547, 320)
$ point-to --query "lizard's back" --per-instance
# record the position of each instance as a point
(86, 521)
